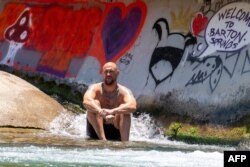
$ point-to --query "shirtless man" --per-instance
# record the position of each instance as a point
(109, 106)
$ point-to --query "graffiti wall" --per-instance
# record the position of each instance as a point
(187, 58)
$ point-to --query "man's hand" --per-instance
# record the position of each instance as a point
(102, 113)
(110, 119)
(106, 112)
(108, 115)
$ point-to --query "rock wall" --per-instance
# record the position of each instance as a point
(187, 57)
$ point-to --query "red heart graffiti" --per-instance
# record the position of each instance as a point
(199, 24)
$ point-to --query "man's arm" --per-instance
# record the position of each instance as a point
(89, 101)
(129, 103)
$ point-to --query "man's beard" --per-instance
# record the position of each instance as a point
(109, 81)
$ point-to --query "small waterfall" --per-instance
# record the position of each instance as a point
(69, 124)
(143, 127)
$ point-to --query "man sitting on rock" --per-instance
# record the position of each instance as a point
(109, 106)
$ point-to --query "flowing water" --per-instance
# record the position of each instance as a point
(67, 145)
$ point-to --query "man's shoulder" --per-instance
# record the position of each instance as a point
(124, 88)
(95, 86)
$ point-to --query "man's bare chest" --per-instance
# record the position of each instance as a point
(109, 101)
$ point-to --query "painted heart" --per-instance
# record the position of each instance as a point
(199, 24)
(120, 31)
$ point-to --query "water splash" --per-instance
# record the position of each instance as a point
(69, 124)
(144, 128)
(74, 125)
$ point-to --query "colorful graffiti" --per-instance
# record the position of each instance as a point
(118, 31)
(17, 34)
(57, 1)
(63, 33)
(199, 23)
(9, 16)
(211, 42)
(220, 45)
(191, 55)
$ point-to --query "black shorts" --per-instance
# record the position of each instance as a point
(110, 131)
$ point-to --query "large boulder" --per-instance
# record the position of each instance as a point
(23, 105)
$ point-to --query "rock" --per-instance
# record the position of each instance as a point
(25, 106)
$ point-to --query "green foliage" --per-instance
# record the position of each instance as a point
(197, 134)
(193, 131)
(238, 132)
(62, 90)
(197, 139)
(174, 129)
(247, 129)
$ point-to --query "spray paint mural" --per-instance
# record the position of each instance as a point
(226, 40)
(63, 33)
(16, 34)
(198, 50)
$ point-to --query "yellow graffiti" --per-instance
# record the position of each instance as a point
(182, 19)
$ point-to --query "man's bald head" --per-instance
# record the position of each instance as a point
(110, 65)
(110, 73)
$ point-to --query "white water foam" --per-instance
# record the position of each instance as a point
(74, 125)
(68, 124)
(54, 156)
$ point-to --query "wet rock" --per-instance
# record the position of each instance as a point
(192, 108)
(23, 105)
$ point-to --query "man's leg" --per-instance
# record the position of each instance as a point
(122, 122)
(97, 123)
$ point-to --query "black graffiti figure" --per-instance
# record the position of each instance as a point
(168, 52)
(210, 67)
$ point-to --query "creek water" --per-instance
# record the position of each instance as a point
(66, 144)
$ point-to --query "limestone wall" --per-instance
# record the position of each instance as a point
(187, 56)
